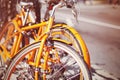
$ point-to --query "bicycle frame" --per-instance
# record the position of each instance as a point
(18, 39)
(42, 35)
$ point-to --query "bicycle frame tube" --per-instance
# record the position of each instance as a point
(5, 54)
(14, 49)
(18, 37)
(16, 45)
(33, 26)
(43, 40)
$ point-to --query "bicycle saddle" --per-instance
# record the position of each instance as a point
(26, 4)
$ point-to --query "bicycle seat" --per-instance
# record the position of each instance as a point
(26, 4)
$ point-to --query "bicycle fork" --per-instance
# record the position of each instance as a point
(43, 39)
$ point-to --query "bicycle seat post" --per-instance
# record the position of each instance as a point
(27, 6)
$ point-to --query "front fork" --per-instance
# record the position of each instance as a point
(46, 44)
(43, 41)
(39, 55)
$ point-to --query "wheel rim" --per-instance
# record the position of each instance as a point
(58, 70)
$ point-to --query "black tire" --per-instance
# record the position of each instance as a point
(68, 60)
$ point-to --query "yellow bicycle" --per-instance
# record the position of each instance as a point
(50, 50)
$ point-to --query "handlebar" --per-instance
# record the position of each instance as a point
(59, 5)
(68, 4)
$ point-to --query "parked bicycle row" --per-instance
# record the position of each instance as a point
(57, 50)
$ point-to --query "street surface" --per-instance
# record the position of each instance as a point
(103, 38)
(99, 26)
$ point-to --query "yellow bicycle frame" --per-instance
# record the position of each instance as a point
(42, 35)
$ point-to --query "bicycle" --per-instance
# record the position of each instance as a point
(26, 28)
(59, 61)
(61, 29)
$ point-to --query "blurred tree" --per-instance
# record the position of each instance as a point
(4, 10)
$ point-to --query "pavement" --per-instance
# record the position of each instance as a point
(102, 20)
(106, 14)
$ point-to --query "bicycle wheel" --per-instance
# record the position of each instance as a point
(63, 63)
(65, 34)
(8, 41)
(5, 45)
(69, 34)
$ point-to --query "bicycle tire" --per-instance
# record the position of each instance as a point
(77, 41)
(10, 31)
(71, 53)
(5, 43)
(65, 34)
(5, 46)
